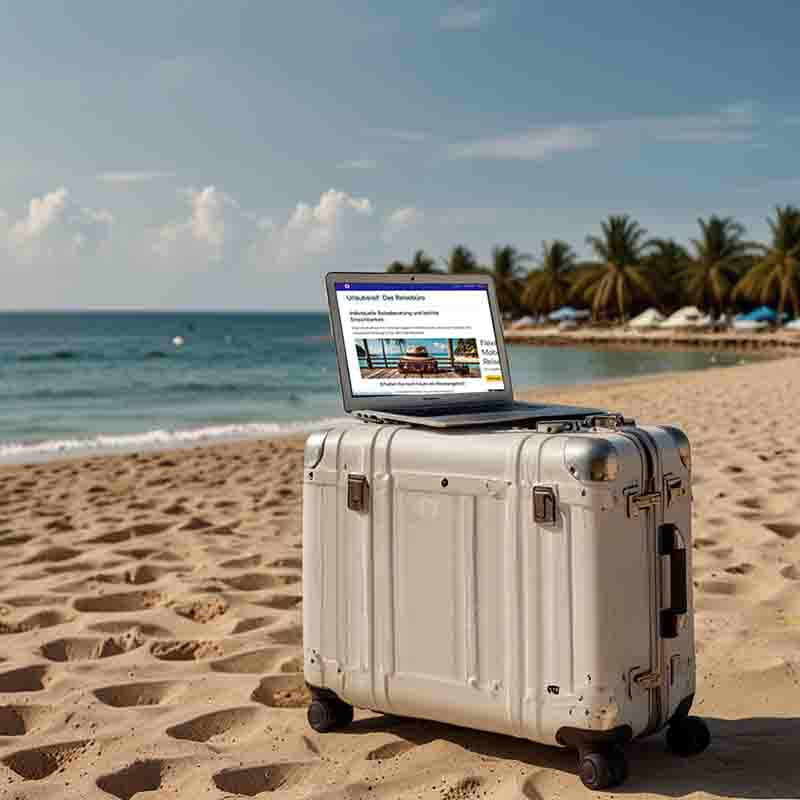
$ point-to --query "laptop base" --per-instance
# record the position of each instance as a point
(517, 413)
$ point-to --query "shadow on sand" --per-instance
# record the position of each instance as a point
(753, 757)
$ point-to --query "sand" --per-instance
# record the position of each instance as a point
(150, 625)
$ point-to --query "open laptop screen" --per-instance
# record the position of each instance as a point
(418, 339)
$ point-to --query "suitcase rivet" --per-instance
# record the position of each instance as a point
(445, 481)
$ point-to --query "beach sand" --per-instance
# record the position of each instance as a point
(151, 634)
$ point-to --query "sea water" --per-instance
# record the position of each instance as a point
(72, 382)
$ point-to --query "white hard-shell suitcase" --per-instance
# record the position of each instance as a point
(535, 583)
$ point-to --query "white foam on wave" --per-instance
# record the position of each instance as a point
(161, 439)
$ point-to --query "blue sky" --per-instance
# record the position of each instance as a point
(181, 154)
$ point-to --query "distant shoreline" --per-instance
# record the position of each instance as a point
(654, 340)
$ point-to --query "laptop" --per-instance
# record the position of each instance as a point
(427, 350)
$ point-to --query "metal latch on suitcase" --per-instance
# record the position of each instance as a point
(638, 502)
(357, 492)
(648, 680)
(673, 488)
(544, 505)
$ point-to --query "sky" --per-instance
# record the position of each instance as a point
(170, 155)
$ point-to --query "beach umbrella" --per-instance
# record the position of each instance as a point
(647, 319)
(568, 313)
(686, 317)
(762, 314)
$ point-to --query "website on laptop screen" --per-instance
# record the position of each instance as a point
(419, 339)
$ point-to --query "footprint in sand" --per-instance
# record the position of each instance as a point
(786, 530)
(282, 691)
(218, 723)
(251, 781)
(290, 635)
(254, 581)
(28, 600)
(740, 569)
(130, 601)
(18, 720)
(13, 541)
(196, 524)
(25, 679)
(291, 562)
(41, 619)
(246, 562)
(185, 651)
(128, 695)
(253, 624)
(147, 775)
(90, 649)
(282, 602)
(40, 762)
(53, 554)
(254, 662)
(791, 572)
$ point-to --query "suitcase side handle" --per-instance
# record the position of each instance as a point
(670, 544)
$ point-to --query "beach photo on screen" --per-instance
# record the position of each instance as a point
(413, 358)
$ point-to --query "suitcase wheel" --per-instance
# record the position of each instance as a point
(327, 714)
(602, 770)
(688, 736)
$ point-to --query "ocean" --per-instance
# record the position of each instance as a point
(74, 382)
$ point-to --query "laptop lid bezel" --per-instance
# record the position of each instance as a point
(383, 402)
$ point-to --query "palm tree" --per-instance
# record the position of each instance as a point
(620, 278)
(720, 254)
(777, 272)
(461, 261)
(548, 287)
(669, 260)
(507, 270)
(421, 264)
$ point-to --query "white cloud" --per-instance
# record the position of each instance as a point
(55, 236)
(729, 125)
(127, 178)
(464, 18)
(53, 221)
(43, 213)
(318, 230)
(203, 234)
(538, 144)
(359, 163)
(400, 220)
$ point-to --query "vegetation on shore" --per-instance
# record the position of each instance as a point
(720, 272)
